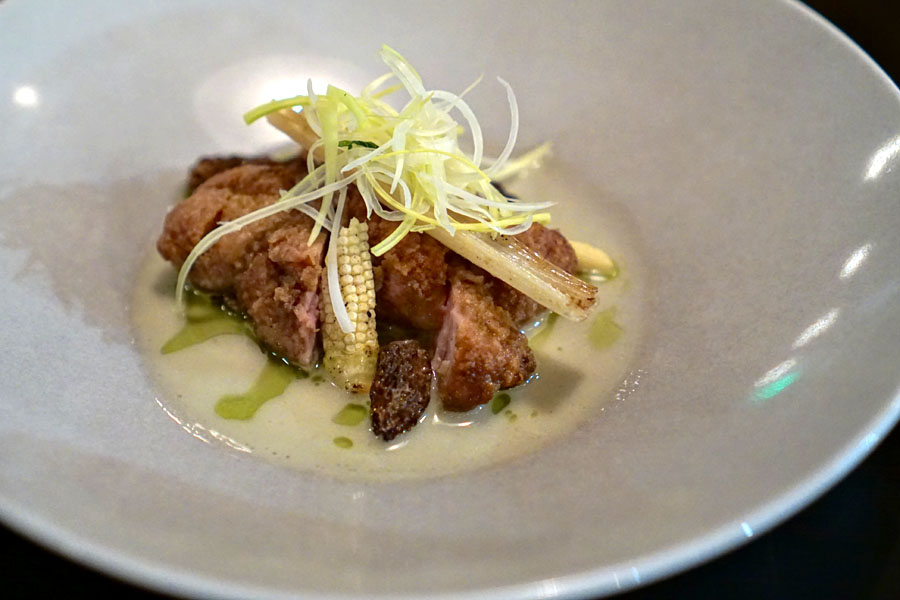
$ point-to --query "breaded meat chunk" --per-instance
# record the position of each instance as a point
(208, 166)
(225, 197)
(267, 267)
(479, 349)
(283, 308)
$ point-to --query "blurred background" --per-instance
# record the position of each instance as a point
(845, 545)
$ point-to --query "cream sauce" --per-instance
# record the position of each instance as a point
(575, 379)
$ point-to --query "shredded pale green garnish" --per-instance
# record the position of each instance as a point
(413, 151)
(407, 165)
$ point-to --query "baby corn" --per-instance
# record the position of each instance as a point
(350, 358)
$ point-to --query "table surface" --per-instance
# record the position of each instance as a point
(845, 545)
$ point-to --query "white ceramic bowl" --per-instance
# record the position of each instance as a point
(747, 150)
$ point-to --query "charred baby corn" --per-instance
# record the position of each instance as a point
(350, 358)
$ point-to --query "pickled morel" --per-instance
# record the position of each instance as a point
(401, 388)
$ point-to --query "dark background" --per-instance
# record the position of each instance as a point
(845, 545)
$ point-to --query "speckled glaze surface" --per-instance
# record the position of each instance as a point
(748, 150)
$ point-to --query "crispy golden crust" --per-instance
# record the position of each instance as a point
(479, 348)
(283, 310)
(225, 197)
(267, 267)
(208, 166)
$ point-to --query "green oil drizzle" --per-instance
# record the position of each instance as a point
(204, 321)
(351, 415)
(499, 402)
(604, 330)
(343, 442)
(271, 382)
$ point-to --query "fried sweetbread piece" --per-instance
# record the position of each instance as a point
(208, 166)
(225, 197)
(282, 306)
(479, 348)
(266, 269)
(401, 388)
(413, 287)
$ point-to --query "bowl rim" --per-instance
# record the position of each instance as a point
(612, 579)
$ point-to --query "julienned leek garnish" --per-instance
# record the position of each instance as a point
(408, 168)
(350, 358)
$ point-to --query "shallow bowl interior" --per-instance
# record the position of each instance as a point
(747, 151)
